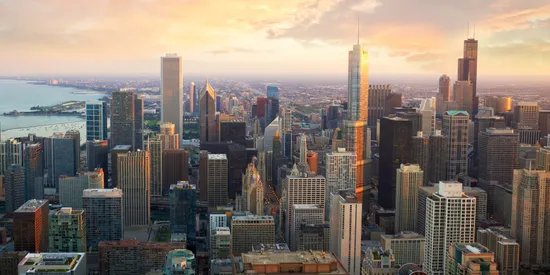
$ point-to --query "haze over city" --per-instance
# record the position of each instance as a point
(278, 37)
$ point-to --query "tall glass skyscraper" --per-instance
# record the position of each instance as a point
(96, 121)
(171, 90)
(272, 91)
(358, 84)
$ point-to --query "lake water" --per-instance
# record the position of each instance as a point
(21, 96)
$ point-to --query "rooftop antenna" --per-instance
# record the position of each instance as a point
(474, 31)
(357, 29)
(468, 32)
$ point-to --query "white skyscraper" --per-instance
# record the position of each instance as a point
(408, 179)
(450, 218)
(358, 83)
(341, 173)
(345, 230)
(171, 89)
(301, 189)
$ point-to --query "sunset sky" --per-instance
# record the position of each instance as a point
(270, 37)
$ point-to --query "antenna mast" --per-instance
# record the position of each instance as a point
(357, 29)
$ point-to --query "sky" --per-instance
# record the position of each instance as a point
(271, 37)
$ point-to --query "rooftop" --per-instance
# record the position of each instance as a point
(183, 185)
(51, 262)
(123, 147)
(102, 193)
(31, 206)
(275, 247)
(307, 206)
(472, 248)
(457, 112)
(217, 156)
(253, 218)
(304, 257)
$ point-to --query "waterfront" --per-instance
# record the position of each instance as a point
(21, 96)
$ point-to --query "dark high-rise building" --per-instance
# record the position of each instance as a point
(237, 161)
(395, 135)
(122, 118)
(378, 95)
(544, 122)
(97, 156)
(208, 113)
(32, 163)
(233, 131)
(272, 110)
(75, 136)
(455, 126)
(14, 187)
(414, 117)
(216, 177)
(261, 103)
(467, 69)
(96, 120)
(218, 103)
(278, 159)
(438, 157)
(119, 149)
(480, 125)
(59, 158)
(183, 209)
(393, 101)
(498, 157)
(139, 123)
(444, 88)
(175, 168)
(104, 216)
(203, 176)
(31, 226)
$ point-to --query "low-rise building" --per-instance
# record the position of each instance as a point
(53, 263)
(407, 247)
(470, 259)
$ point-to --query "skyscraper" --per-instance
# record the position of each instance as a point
(11, 153)
(67, 231)
(171, 89)
(450, 218)
(455, 126)
(444, 88)
(138, 122)
(467, 69)
(33, 166)
(31, 226)
(175, 167)
(123, 118)
(104, 216)
(300, 189)
(71, 188)
(119, 149)
(183, 209)
(530, 215)
(304, 214)
(345, 240)
(409, 178)
(134, 178)
(358, 84)
(463, 94)
(272, 105)
(14, 186)
(154, 147)
(472, 258)
(217, 180)
(96, 120)
(428, 111)
(251, 230)
(395, 135)
(168, 137)
(498, 157)
(97, 156)
(340, 174)
(192, 97)
(357, 139)
(208, 113)
(378, 95)
(438, 157)
(75, 136)
(252, 191)
(59, 158)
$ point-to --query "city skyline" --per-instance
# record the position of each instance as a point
(300, 35)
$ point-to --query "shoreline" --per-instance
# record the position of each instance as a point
(42, 125)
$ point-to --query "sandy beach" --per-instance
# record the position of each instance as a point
(47, 130)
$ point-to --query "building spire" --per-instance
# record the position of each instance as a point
(358, 30)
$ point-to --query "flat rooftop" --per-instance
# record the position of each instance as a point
(31, 206)
(253, 218)
(217, 156)
(472, 248)
(307, 206)
(102, 193)
(288, 257)
(123, 147)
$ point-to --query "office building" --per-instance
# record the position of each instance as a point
(444, 92)
(409, 178)
(407, 247)
(300, 189)
(469, 259)
(358, 84)
(395, 135)
(455, 126)
(71, 188)
(356, 136)
(169, 138)
(96, 120)
(506, 249)
(252, 191)
(75, 136)
(498, 157)
(31, 226)
(313, 237)
(220, 243)
(208, 113)
(340, 174)
(251, 230)
(450, 218)
(216, 179)
(467, 68)
(175, 167)
(139, 123)
(234, 131)
(530, 215)
(33, 169)
(67, 230)
(463, 96)
(133, 256)
(115, 152)
(9, 262)
(378, 262)
(11, 153)
(97, 156)
(14, 187)
(419, 152)
(428, 112)
(53, 263)
(345, 239)
(134, 178)
(272, 109)
(304, 214)
(180, 262)
(269, 134)
(192, 102)
(154, 147)
(500, 104)
(171, 91)
(183, 209)
(123, 118)
(438, 157)
(104, 213)
(59, 158)
(526, 115)
(378, 95)
(414, 117)
(300, 262)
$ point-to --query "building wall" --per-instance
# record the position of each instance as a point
(104, 217)
(134, 178)
(251, 231)
(171, 89)
(67, 231)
